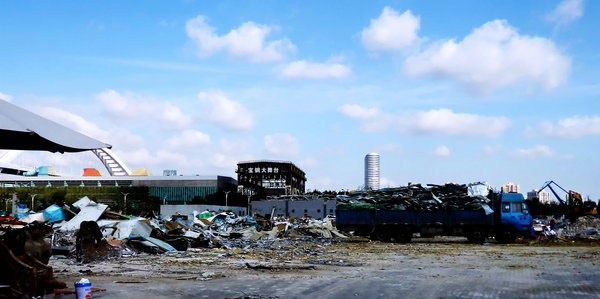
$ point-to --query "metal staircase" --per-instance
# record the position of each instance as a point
(111, 161)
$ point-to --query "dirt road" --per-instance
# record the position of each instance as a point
(289, 269)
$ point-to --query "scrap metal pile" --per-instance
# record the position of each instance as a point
(415, 197)
(91, 231)
(585, 228)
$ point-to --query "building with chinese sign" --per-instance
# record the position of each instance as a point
(267, 177)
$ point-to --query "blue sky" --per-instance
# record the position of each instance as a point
(445, 91)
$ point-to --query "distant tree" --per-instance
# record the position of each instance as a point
(58, 197)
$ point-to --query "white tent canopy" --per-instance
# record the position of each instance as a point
(23, 130)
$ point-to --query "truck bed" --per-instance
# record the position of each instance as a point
(361, 220)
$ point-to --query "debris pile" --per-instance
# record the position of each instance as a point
(584, 228)
(24, 257)
(90, 231)
(416, 197)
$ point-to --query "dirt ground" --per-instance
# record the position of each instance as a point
(425, 268)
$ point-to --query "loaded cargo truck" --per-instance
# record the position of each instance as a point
(506, 220)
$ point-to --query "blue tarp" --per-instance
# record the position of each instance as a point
(54, 213)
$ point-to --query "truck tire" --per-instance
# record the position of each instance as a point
(403, 237)
(476, 236)
(427, 235)
(506, 236)
(381, 234)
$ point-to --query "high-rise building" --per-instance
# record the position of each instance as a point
(542, 196)
(511, 187)
(372, 171)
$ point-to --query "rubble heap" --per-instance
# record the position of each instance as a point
(584, 228)
(415, 197)
(91, 231)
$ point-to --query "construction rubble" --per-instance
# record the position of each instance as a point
(95, 232)
(88, 231)
(585, 228)
(416, 197)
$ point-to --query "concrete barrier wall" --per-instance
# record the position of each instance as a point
(314, 208)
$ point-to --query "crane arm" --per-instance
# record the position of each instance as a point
(549, 186)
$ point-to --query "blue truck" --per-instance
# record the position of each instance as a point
(507, 219)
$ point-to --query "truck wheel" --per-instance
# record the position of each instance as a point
(382, 235)
(427, 235)
(403, 237)
(506, 236)
(476, 236)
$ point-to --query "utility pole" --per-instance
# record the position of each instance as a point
(125, 202)
(32, 201)
(249, 205)
(226, 194)
(14, 204)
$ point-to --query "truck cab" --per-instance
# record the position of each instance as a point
(514, 218)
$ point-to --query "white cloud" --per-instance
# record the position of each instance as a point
(5, 97)
(282, 144)
(248, 41)
(188, 140)
(492, 56)
(131, 107)
(390, 147)
(173, 115)
(566, 11)
(221, 160)
(309, 162)
(169, 157)
(373, 119)
(162, 158)
(231, 152)
(314, 70)
(124, 139)
(387, 183)
(134, 158)
(572, 127)
(492, 149)
(391, 31)
(447, 122)
(441, 151)
(321, 183)
(359, 112)
(126, 106)
(430, 122)
(226, 113)
(538, 151)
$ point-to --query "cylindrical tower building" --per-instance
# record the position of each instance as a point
(372, 171)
